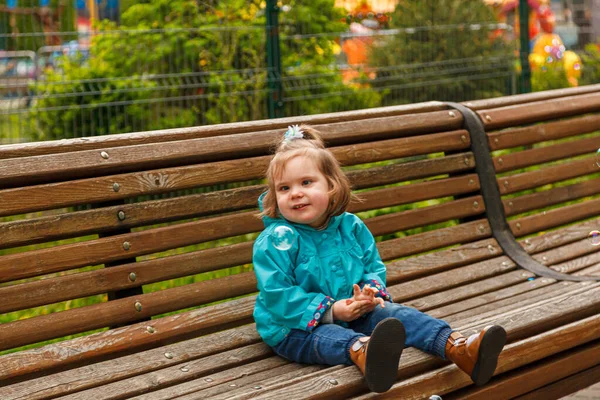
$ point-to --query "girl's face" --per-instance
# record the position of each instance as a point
(302, 192)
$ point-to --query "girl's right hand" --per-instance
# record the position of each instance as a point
(348, 309)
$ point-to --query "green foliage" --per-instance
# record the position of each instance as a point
(591, 65)
(551, 75)
(70, 109)
(182, 63)
(311, 79)
(449, 56)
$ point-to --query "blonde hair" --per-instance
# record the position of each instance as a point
(311, 146)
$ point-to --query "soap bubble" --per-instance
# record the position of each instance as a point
(282, 237)
(435, 397)
(598, 157)
(594, 238)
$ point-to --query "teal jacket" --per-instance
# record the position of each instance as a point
(296, 286)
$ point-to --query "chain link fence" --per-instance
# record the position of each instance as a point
(137, 77)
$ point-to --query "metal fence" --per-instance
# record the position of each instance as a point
(129, 80)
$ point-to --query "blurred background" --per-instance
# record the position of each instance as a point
(75, 68)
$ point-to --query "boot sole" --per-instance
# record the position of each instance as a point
(383, 354)
(492, 343)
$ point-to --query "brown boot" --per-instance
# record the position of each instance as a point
(477, 355)
(377, 356)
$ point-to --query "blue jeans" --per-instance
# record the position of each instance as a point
(330, 343)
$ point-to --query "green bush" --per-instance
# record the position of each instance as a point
(183, 63)
(551, 75)
(449, 56)
(590, 58)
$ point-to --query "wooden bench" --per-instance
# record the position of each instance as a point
(154, 230)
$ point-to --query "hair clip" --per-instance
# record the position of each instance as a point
(293, 132)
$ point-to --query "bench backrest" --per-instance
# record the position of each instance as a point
(168, 216)
(547, 162)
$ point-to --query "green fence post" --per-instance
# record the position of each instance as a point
(275, 98)
(524, 48)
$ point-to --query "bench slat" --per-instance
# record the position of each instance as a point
(527, 158)
(225, 392)
(528, 202)
(416, 192)
(528, 180)
(160, 136)
(101, 189)
(421, 242)
(503, 117)
(390, 223)
(555, 218)
(404, 147)
(104, 219)
(394, 173)
(565, 386)
(83, 284)
(96, 316)
(226, 381)
(439, 261)
(98, 190)
(93, 252)
(540, 374)
(451, 296)
(504, 101)
(90, 163)
(514, 137)
(93, 375)
(175, 374)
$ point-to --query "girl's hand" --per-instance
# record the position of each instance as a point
(368, 293)
(349, 309)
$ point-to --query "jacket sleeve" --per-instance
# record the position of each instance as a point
(375, 272)
(289, 304)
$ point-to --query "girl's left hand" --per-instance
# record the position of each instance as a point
(367, 293)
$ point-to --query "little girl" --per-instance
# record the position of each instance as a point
(323, 298)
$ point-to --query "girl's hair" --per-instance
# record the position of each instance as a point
(310, 145)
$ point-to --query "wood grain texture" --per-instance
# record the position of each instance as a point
(105, 219)
(554, 130)
(126, 340)
(580, 386)
(252, 374)
(528, 158)
(174, 374)
(166, 135)
(90, 163)
(349, 380)
(101, 189)
(73, 286)
(539, 111)
(504, 101)
(556, 195)
(73, 224)
(75, 320)
(96, 374)
(538, 375)
(543, 176)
